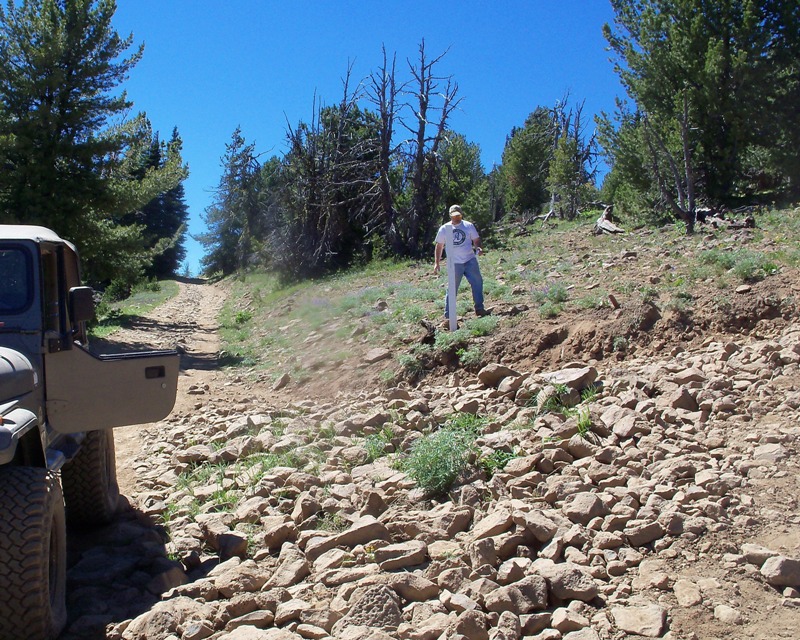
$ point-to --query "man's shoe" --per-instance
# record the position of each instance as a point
(482, 312)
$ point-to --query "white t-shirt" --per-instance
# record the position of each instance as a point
(463, 234)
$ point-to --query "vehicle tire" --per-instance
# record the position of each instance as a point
(33, 554)
(90, 484)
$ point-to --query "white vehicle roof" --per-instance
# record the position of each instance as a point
(31, 232)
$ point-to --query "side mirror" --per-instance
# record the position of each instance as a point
(81, 304)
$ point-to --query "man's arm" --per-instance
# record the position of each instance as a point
(437, 256)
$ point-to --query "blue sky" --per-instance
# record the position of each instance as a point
(210, 66)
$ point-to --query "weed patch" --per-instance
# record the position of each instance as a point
(437, 459)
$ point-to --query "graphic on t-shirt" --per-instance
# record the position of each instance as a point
(459, 237)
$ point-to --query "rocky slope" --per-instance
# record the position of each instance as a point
(662, 505)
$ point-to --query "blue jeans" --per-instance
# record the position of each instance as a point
(472, 272)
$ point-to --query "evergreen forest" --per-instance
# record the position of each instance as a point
(709, 121)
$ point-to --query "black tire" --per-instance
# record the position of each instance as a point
(90, 482)
(33, 555)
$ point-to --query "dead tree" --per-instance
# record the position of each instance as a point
(427, 133)
(382, 92)
(605, 223)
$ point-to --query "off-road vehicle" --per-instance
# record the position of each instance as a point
(58, 401)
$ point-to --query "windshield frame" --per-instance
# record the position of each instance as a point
(26, 255)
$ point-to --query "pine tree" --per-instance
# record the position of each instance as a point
(710, 81)
(59, 61)
(230, 240)
(526, 159)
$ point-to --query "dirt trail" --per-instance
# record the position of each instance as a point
(188, 322)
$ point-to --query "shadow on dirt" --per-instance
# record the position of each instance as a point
(194, 359)
(116, 573)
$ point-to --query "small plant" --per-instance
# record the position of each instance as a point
(584, 422)
(550, 310)
(753, 267)
(747, 266)
(495, 461)
(333, 522)
(327, 432)
(377, 444)
(554, 292)
(223, 500)
(593, 301)
(413, 313)
(437, 459)
(471, 356)
(722, 303)
(278, 428)
(447, 340)
(485, 326)
(619, 344)
(649, 293)
(589, 394)
(410, 363)
(388, 378)
(242, 317)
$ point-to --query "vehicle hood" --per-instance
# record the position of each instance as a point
(17, 376)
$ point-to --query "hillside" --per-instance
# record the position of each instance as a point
(557, 295)
(621, 434)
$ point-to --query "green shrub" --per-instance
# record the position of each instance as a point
(747, 266)
(550, 310)
(437, 459)
(554, 292)
(447, 340)
(333, 522)
(242, 317)
(485, 326)
(471, 356)
(410, 363)
(117, 290)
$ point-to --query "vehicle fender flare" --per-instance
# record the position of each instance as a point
(14, 425)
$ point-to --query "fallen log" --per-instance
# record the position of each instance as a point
(605, 223)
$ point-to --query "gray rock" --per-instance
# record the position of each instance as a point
(402, 554)
(508, 627)
(649, 620)
(537, 523)
(576, 378)
(377, 607)
(290, 610)
(492, 374)
(293, 566)
(377, 355)
(780, 571)
(246, 577)
(770, 452)
(640, 533)
(582, 507)
(756, 554)
(583, 634)
(471, 624)
(687, 593)
(566, 620)
(728, 614)
(567, 581)
(493, 524)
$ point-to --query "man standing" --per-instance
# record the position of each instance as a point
(466, 248)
